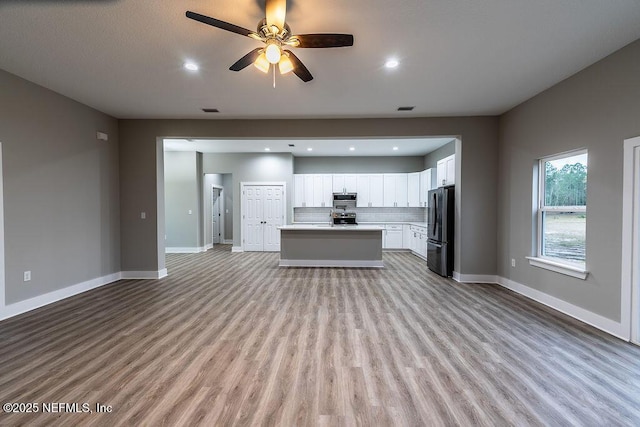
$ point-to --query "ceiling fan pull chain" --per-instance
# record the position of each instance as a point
(274, 76)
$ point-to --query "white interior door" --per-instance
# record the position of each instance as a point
(263, 210)
(252, 218)
(273, 217)
(215, 216)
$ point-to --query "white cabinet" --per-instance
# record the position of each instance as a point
(407, 236)
(369, 189)
(344, 183)
(446, 171)
(312, 190)
(418, 241)
(395, 190)
(393, 236)
(413, 190)
(298, 191)
(427, 182)
(322, 191)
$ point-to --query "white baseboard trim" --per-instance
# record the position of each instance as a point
(208, 246)
(597, 321)
(184, 250)
(329, 263)
(11, 310)
(474, 278)
(227, 242)
(144, 274)
(236, 249)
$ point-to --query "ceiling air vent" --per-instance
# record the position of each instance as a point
(292, 145)
(406, 108)
(210, 110)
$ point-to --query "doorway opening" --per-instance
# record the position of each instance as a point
(217, 218)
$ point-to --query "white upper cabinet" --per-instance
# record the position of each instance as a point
(312, 190)
(322, 191)
(376, 188)
(427, 182)
(298, 191)
(369, 189)
(395, 187)
(446, 171)
(413, 189)
(344, 183)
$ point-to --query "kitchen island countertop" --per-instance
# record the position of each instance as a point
(328, 227)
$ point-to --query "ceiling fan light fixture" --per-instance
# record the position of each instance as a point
(273, 52)
(285, 64)
(262, 63)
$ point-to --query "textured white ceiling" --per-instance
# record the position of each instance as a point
(457, 57)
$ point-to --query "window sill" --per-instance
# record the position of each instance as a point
(558, 267)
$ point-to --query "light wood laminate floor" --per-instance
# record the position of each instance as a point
(231, 339)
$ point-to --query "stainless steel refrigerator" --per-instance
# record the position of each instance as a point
(440, 224)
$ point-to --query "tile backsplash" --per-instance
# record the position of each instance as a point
(363, 214)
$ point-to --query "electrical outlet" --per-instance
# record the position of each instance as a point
(27, 276)
(513, 262)
(190, 212)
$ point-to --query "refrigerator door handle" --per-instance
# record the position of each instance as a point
(435, 212)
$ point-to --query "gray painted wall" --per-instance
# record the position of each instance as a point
(181, 195)
(61, 192)
(251, 167)
(477, 157)
(595, 109)
(431, 159)
(369, 164)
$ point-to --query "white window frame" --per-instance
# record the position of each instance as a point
(539, 260)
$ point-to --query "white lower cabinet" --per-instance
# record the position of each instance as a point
(393, 236)
(417, 240)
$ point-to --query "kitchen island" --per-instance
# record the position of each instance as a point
(325, 245)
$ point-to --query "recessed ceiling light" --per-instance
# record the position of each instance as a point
(395, 148)
(267, 149)
(309, 149)
(391, 63)
(191, 66)
(352, 148)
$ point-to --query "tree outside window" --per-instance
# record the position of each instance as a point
(562, 212)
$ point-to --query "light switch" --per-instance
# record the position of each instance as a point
(143, 215)
(27, 276)
(190, 212)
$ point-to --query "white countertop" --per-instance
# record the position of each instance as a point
(368, 223)
(328, 227)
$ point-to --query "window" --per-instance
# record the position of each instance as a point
(562, 214)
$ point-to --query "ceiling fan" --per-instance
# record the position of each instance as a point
(274, 32)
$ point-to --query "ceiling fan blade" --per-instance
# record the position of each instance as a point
(220, 24)
(276, 11)
(298, 68)
(324, 40)
(246, 60)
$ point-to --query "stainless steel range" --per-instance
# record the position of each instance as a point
(344, 218)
